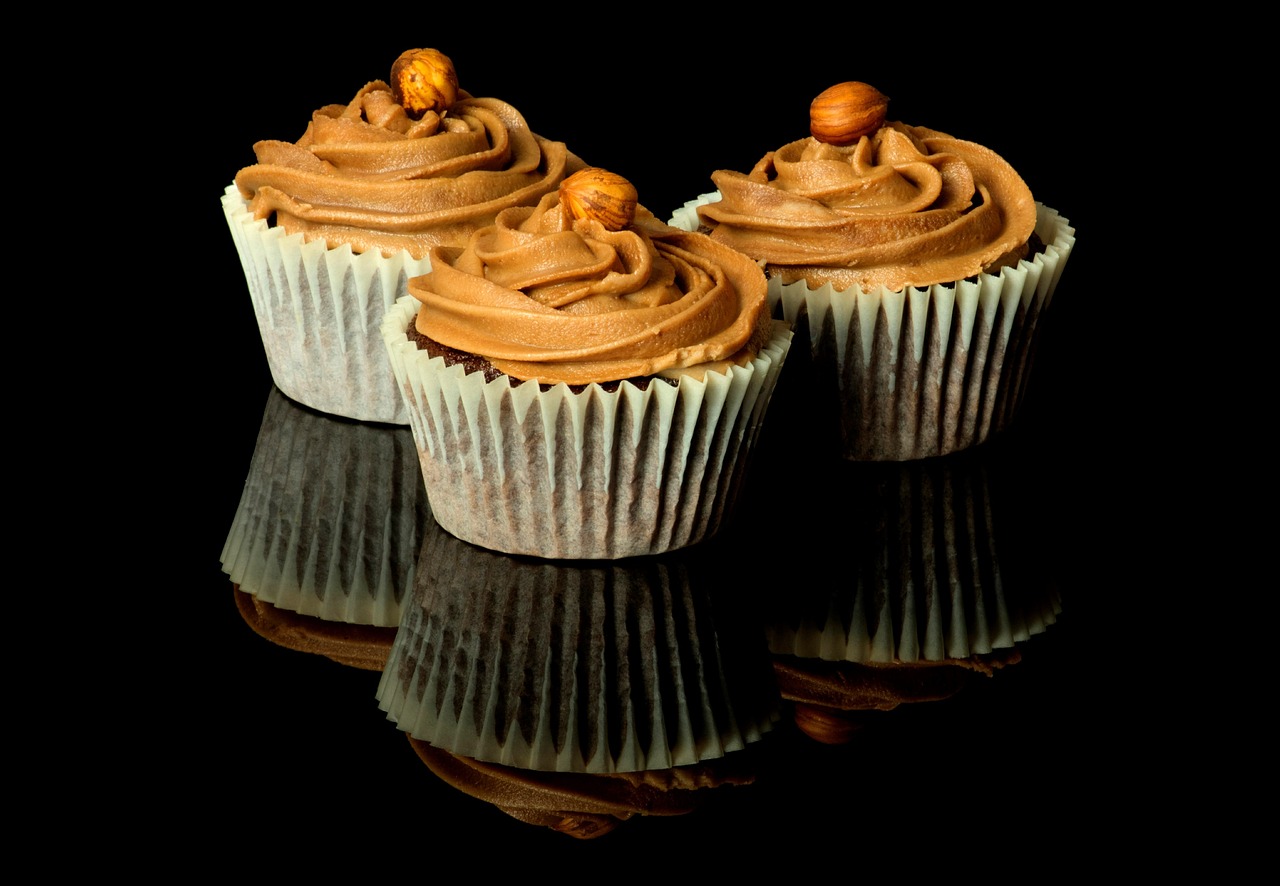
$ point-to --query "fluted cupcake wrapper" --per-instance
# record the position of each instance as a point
(613, 667)
(320, 313)
(929, 573)
(589, 475)
(924, 372)
(331, 518)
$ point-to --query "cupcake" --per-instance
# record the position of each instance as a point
(582, 380)
(330, 228)
(920, 262)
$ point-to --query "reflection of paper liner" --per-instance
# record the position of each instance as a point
(580, 805)
(941, 580)
(924, 372)
(320, 313)
(612, 667)
(331, 518)
(357, 646)
(922, 573)
(593, 475)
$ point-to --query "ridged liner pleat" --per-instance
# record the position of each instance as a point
(591, 475)
(331, 519)
(320, 313)
(587, 668)
(925, 372)
(923, 574)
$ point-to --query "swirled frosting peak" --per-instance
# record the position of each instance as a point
(903, 206)
(369, 175)
(544, 296)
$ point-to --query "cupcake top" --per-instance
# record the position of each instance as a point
(589, 287)
(408, 165)
(874, 203)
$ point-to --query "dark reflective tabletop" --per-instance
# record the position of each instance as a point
(287, 716)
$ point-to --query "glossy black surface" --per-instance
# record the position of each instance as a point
(295, 743)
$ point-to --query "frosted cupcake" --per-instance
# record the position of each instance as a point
(329, 229)
(584, 381)
(921, 261)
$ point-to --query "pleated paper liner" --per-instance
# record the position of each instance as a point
(320, 313)
(331, 519)
(923, 372)
(603, 475)
(942, 575)
(593, 667)
(581, 805)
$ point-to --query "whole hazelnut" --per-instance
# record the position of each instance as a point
(424, 80)
(846, 112)
(601, 195)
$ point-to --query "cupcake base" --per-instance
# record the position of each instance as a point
(919, 373)
(319, 312)
(588, 475)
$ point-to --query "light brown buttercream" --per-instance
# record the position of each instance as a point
(905, 206)
(544, 297)
(368, 175)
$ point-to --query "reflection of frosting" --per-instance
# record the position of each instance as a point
(368, 175)
(905, 206)
(545, 297)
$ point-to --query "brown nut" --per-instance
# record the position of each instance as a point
(424, 80)
(600, 195)
(846, 112)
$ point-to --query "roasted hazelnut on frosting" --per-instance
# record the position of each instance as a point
(846, 112)
(869, 202)
(405, 165)
(424, 80)
(600, 195)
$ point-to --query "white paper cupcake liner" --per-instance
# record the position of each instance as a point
(320, 313)
(611, 667)
(331, 519)
(592, 475)
(934, 568)
(924, 372)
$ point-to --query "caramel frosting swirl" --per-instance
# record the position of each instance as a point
(903, 206)
(549, 298)
(369, 175)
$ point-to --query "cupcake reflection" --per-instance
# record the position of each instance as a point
(331, 518)
(946, 573)
(584, 667)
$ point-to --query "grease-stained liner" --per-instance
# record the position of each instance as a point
(320, 313)
(923, 372)
(588, 475)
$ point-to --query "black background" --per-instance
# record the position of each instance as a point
(1044, 762)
